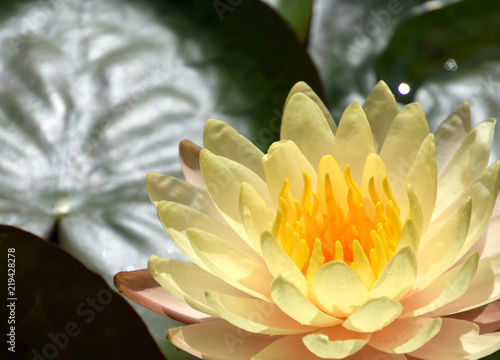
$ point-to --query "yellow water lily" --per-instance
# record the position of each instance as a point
(373, 240)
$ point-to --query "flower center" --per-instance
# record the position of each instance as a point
(312, 233)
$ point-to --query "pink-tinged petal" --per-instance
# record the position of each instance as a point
(220, 340)
(487, 317)
(189, 155)
(288, 347)
(488, 245)
(139, 286)
(335, 342)
(458, 339)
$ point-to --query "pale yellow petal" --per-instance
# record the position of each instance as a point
(483, 193)
(335, 342)
(422, 177)
(445, 289)
(231, 264)
(328, 165)
(402, 143)
(443, 246)
(380, 108)
(305, 125)
(287, 347)
(302, 87)
(221, 139)
(187, 282)
(362, 264)
(374, 168)
(218, 339)
(223, 178)
(459, 339)
(406, 335)
(254, 315)
(163, 187)
(285, 161)
(450, 134)
(470, 160)
(255, 215)
(338, 289)
(353, 140)
(373, 315)
(410, 236)
(294, 303)
(278, 262)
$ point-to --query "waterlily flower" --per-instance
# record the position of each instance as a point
(373, 240)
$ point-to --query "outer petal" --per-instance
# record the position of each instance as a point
(304, 124)
(285, 161)
(163, 187)
(447, 288)
(458, 339)
(294, 303)
(140, 287)
(231, 264)
(221, 139)
(470, 160)
(353, 140)
(338, 288)
(402, 143)
(450, 134)
(218, 340)
(335, 342)
(223, 178)
(302, 87)
(189, 154)
(406, 335)
(380, 108)
(254, 315)
(187, 282)
(487, 317)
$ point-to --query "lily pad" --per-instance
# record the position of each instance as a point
(59, 308)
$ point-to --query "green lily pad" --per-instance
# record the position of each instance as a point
(57, 308)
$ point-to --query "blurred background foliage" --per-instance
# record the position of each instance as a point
(94, 94)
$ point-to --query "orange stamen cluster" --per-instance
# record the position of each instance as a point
(312, 237)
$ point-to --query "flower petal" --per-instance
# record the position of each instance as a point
(486, 316)
(221, 139)
(189, 155)
(335, 342)
(223, 178)
(338, 288)
(402, 143)
(163, 187)
(398, 275)
(302, 87)
(373, 315)
(447, 288)
(254, 315)
(458, 339)
(443, 246)
(380, 108)
(450, 134)
(353, 140)
(140, 287)
(231, 264)
(177, 218)
(278, 262)
(218, 339)
(285, 161)
(302, 122)
(294, 303)
(187, 282)
(406, 335)
(288, 347)
(255, 215)
(422, 176)
(470, 160)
